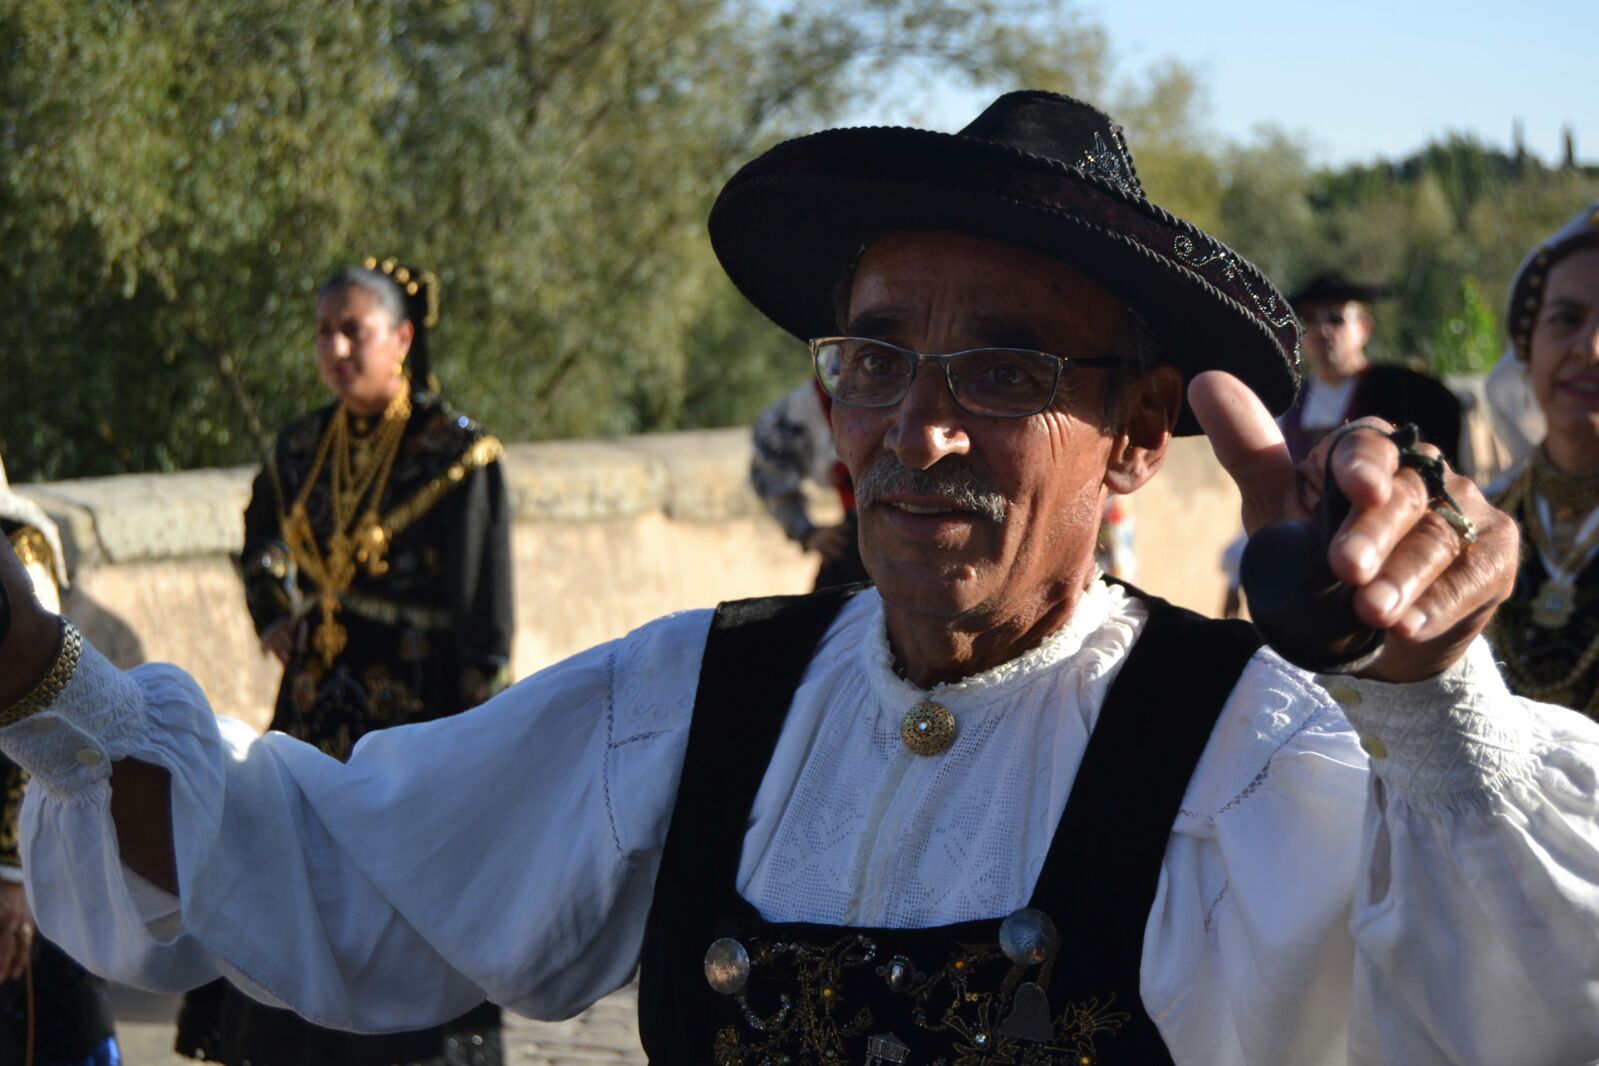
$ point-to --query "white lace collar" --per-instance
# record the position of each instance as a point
(1102, 617)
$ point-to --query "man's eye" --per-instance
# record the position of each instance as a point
(1005, 375)
(873, 362)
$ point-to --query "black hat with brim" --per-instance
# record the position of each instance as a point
(1042, 172)
(1334, 288)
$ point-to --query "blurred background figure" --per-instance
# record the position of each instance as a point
(52, 1011)
(1517, 420)
(1342, 384)
(1116, 551)
(1547, 635)
(377, 568)
(793, 446)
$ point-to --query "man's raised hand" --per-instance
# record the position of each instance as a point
(1412, 573)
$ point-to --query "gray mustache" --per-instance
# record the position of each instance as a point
(948, 479)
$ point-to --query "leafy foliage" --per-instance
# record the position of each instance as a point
(176, 177)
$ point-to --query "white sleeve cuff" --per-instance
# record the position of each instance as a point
(1458, 733)
(69, 746)
(11, 874)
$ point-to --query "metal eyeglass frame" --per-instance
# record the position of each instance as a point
(1059, 362)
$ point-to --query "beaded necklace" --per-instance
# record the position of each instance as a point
(1554, 604)
(1540, 488)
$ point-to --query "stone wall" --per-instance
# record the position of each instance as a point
(608, 535)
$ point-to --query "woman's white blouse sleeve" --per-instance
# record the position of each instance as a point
(509, 851)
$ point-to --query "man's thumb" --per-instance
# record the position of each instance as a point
(1248, 444)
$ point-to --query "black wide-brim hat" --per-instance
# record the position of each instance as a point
(1035, 170)
(1333, 287)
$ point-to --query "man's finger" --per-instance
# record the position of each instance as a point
(1248, 444)
(1409, 570)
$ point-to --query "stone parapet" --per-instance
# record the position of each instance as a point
(608, 535)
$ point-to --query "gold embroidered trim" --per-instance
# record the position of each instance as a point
(11, 817)
(813, 1018)
(32, 548)
(483, 451)
(389, 613)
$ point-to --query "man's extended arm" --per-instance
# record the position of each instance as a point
(385, 893)
(139, 803)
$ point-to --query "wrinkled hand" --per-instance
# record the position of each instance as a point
(1411, 572)
(16, 931)
(830, 542)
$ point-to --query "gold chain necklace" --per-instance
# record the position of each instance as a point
(356, 537)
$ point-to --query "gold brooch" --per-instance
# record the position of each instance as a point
(928, 728)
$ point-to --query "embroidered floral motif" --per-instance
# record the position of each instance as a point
(810, 1008)
(1271, 306)
(1106, 164)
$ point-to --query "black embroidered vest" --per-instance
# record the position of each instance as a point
(945, 995)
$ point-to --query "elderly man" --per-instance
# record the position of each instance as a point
(994, 810)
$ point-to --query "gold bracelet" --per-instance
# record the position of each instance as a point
(55, 679)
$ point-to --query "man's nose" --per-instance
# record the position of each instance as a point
(928, 425)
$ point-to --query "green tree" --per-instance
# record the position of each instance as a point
(178, 175)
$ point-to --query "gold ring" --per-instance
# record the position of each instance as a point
(1464, 527)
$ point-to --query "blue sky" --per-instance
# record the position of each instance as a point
(1360, 79)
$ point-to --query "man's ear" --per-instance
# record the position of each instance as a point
(1146, 413)
(1366, 323)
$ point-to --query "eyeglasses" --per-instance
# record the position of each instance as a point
(991, 382)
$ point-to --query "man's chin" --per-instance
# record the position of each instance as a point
(920, 585)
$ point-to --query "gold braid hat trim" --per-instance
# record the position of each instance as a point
(55, 679)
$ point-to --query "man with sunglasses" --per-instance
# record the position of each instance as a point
(1345, 385)
(995, 809)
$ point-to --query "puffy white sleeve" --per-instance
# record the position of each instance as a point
(507, 852)
(1367, 873)
(1476, 914)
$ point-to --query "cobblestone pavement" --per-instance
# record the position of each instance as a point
(605, 1035)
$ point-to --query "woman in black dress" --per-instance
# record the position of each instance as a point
(376, 566)
(1547, 634)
